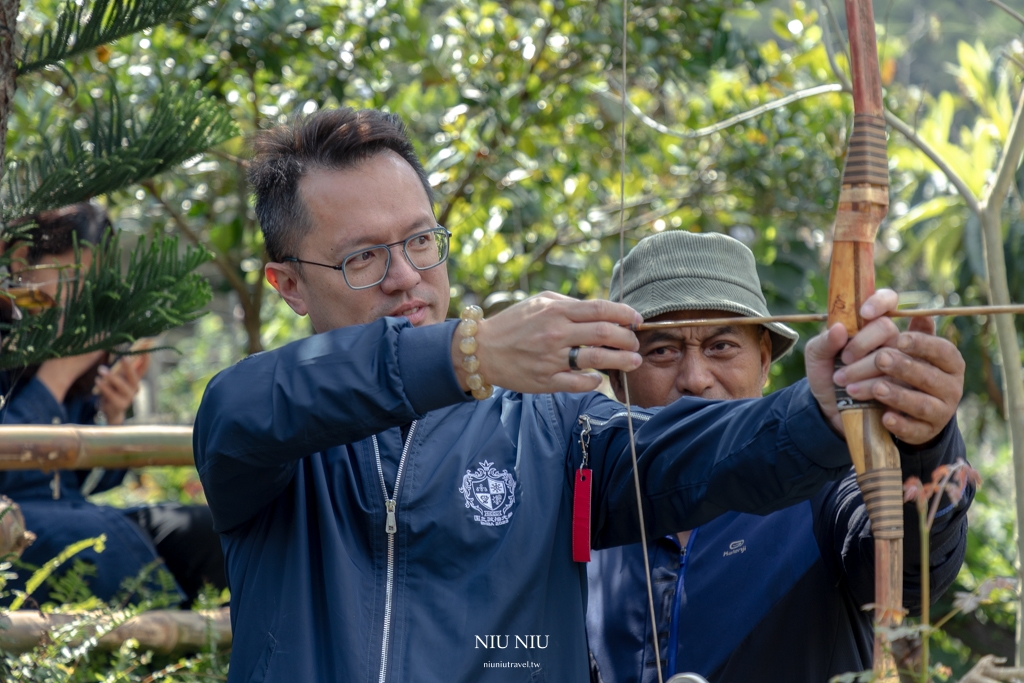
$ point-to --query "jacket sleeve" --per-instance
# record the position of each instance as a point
(844, 531)
(698, 459)
(258, 418)
(33, 404)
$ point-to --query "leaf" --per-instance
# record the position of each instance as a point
(41, 574)
(84, 26)
(966, 602)
(926, 210)
(996, 583)
(120, 148)
(912, 489)
(111, 307)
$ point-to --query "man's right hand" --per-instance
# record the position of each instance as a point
(59, 374)
(526, 347)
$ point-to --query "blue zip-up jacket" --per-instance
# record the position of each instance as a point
(769, 599)
(352, 556)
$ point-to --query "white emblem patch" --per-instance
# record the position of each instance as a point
(490, 493)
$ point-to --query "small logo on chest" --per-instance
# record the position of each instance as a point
(491, 493)
(735, 547)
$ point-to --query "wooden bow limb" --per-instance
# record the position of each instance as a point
(863, 203)
(823, 317)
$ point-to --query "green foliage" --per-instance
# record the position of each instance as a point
(65, 155)
(44, 572)
(69, 653)
(72, 587)
(110, 307)
(84, 26)
(504, 104)
(116, 147)
(216, 344)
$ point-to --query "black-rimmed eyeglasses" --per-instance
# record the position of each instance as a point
(368, 267)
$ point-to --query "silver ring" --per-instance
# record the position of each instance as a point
(574, 353)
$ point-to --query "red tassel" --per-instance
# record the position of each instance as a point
(581, 516)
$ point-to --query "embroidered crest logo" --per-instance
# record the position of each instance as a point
(491, 493)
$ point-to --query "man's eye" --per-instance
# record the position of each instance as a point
(663, 353)
(362, 259)
(722, 347)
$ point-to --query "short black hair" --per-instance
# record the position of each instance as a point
(333, 139)
(55, 232)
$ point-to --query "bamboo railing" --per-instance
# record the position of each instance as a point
(162, 631)
(74, 447)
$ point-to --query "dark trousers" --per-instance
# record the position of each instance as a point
(185, 540)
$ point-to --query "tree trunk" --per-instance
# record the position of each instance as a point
(990, 212)
(8, 69)
(1009, 348)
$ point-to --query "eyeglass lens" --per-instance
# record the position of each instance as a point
(424, 250)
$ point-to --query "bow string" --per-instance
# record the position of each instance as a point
(625, 381)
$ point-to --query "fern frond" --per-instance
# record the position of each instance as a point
(84, 26)
(73, 585)
(109, 307)
(116, 148)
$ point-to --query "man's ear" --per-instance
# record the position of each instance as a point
(766, 355)
(285, 280)
(615, 380)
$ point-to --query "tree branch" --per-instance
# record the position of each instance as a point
(722, 125)
(1008, 161)
(467, 178)
(244, 163)
(954, 178)
(830, 49)
(474, 163)
(223, 265)
(1009, 10)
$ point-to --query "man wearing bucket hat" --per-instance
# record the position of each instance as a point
(776, 598)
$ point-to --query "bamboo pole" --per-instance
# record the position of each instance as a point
(162, 631)
(73, 447)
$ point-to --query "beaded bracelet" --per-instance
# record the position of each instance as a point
(468, 324)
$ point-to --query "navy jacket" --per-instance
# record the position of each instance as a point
(70, 518)
(773, 598)
(468, 576)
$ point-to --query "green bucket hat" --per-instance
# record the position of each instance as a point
(687, 271)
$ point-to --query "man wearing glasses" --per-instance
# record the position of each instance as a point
(386, 513)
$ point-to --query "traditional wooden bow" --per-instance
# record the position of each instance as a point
(863, 203)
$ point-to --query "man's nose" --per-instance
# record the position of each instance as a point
(694, 377)
(401, 276)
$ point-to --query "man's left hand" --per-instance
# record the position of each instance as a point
(919, 377)
(118, 386)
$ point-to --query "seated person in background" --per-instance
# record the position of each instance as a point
(776, 598)
(85, 390)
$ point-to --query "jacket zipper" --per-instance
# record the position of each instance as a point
(673, 630)
(390, 527)
(587, 422)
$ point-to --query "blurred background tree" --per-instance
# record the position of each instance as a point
(69, 146)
